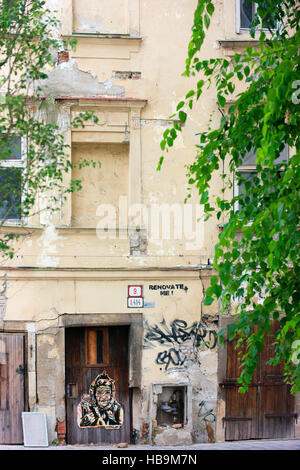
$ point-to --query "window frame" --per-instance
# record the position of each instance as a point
(238, 28)
(16, 163)
(236, 187)
(249, 168)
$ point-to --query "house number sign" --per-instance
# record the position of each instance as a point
(135, 297)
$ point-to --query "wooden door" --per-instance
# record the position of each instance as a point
(242, 411)
(11, 388)
(95, 357)
(277, 415)
(267, 409)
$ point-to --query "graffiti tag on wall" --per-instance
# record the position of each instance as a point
(205, 414)
(175, 336)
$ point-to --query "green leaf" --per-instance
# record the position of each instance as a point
(221, 100)
(180, 105)
(208, 300)
(160, 163)
(210, 9)
(204, 197)
(206, 21)
(182, 116)
(189, 94)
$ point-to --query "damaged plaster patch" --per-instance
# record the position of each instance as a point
(67, 80)
(48, 243)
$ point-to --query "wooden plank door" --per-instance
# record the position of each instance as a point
(267, 409)
(11, 388)
(242, 410)
(277, 414)
(93, 353)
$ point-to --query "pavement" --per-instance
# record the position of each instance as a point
(266, 444)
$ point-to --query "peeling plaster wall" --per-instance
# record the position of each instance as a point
(66, 79)
(64, 274)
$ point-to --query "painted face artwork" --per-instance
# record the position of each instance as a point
(99, 407)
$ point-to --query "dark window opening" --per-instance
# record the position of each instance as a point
(247, 13)
(10, 193)
(171, 406)
(97, 352)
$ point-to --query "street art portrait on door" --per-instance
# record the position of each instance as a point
(99, 407)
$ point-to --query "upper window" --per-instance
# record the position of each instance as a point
(245, 14)
(248, 172)
(11, 166)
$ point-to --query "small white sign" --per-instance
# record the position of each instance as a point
(135, 302)
(135, 291)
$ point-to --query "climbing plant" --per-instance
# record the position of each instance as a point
(257, 254)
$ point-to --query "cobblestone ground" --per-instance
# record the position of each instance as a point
(292, 444)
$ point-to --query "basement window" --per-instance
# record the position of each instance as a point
(171, 405)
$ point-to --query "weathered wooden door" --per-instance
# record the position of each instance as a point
(97, 361)
(11, 388)
(267, 409)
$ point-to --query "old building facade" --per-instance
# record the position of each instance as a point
(106, 295)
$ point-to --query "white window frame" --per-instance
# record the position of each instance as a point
(238, 28)
(16, 163)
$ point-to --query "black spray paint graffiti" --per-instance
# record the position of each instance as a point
(207, 415)
(175, 335)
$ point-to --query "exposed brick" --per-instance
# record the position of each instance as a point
(138, 243)
(63, 56)
(126, 75)
(61, 427)
(144, 433)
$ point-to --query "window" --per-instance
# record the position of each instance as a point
(96, 346)
(171, 406)
(248, 172)
(245, 13)
(11, 165)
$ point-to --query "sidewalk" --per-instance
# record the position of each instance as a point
(285, 444)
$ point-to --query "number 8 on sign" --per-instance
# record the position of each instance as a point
(135, 291)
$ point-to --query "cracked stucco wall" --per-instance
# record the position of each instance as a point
(66, 80)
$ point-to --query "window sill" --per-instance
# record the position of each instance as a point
(20, 225)
(237, 43)
(102, 36)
